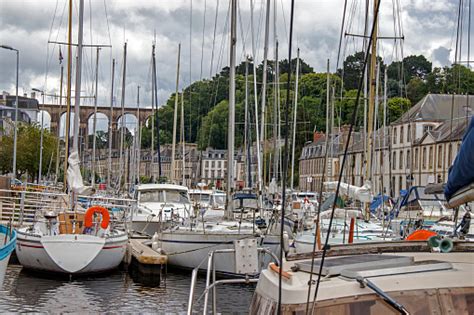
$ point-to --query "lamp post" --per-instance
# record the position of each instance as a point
(16, 106)
(41, 137)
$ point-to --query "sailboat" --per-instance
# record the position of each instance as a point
(188, 246)
(7, 245)
(66, 235)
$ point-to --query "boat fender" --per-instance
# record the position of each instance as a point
(446, 245)
(88, 222)
(154, 242)
(286, 242)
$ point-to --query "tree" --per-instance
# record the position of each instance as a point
(353, 66)
(416, 90)
(413, 66)
(396, 107)
(28, 150)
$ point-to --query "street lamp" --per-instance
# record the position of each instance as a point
(41, 137)
(16, 106)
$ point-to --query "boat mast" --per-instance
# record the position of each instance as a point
(231, 122)
(182, 139)
(58, 151)
(109, 179)
(94, 124)
(157, 123)
(264, 85)
(373, 65)
(138, 135)
(257, 133)
(275, 110)
(175, 118)
(246, 123)
(77, 86)
(68, 95)
(153, 116)
(294, 120)
(122, 127)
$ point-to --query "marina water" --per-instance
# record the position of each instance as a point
(117, 292)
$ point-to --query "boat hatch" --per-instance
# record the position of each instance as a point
(334, 266)
(414, 267)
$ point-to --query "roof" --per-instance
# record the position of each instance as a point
(161, 186)
(437, 107)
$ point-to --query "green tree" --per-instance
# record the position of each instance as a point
(396, 107)
(28, 150)
(412, 66)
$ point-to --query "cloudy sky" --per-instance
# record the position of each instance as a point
(428, 27)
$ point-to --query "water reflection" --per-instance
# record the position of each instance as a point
(117, 292)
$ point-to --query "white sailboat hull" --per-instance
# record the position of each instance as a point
(188, 250)
(70, 253)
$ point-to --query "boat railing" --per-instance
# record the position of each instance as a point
(24, 207)
(246, 255)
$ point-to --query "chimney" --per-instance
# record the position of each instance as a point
(33, 95)
(317, 135)
(25, 94)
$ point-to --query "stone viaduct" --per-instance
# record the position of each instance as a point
(56, 112)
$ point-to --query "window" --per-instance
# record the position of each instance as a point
(400, 160)
(395, 135)
(213, 163)
(409, 133)
(400, 183)
(408, 159)
(394, 162)
(401, 134)
(427, 128)
(431, 157)
(424, 158)
(440, 156)
(450, 154)
(416, 159)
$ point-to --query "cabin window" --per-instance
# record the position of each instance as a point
(401, 134)
(400, 160)
(431, 157)
(424, 158)
(440, 156)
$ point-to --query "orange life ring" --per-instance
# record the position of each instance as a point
(105, 216)
(420, 235)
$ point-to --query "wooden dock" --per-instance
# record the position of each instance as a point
(145, 264)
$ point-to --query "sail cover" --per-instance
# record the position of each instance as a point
(461, 173)
(74, 177)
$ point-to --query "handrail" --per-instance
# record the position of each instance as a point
(213, 285)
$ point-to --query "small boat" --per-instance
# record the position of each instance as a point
(7, 245)
(402, 278)
(187, 246)
(159, 206)
(71, 242)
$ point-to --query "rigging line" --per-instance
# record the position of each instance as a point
(219, 62)
(341, 34)
(284, 19)
(214, 39)
(284, 179)
(341, 172)
(455, 63)
(190, 71)
(203, 32)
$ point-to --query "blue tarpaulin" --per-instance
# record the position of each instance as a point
(377, 202)
(461, 172)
